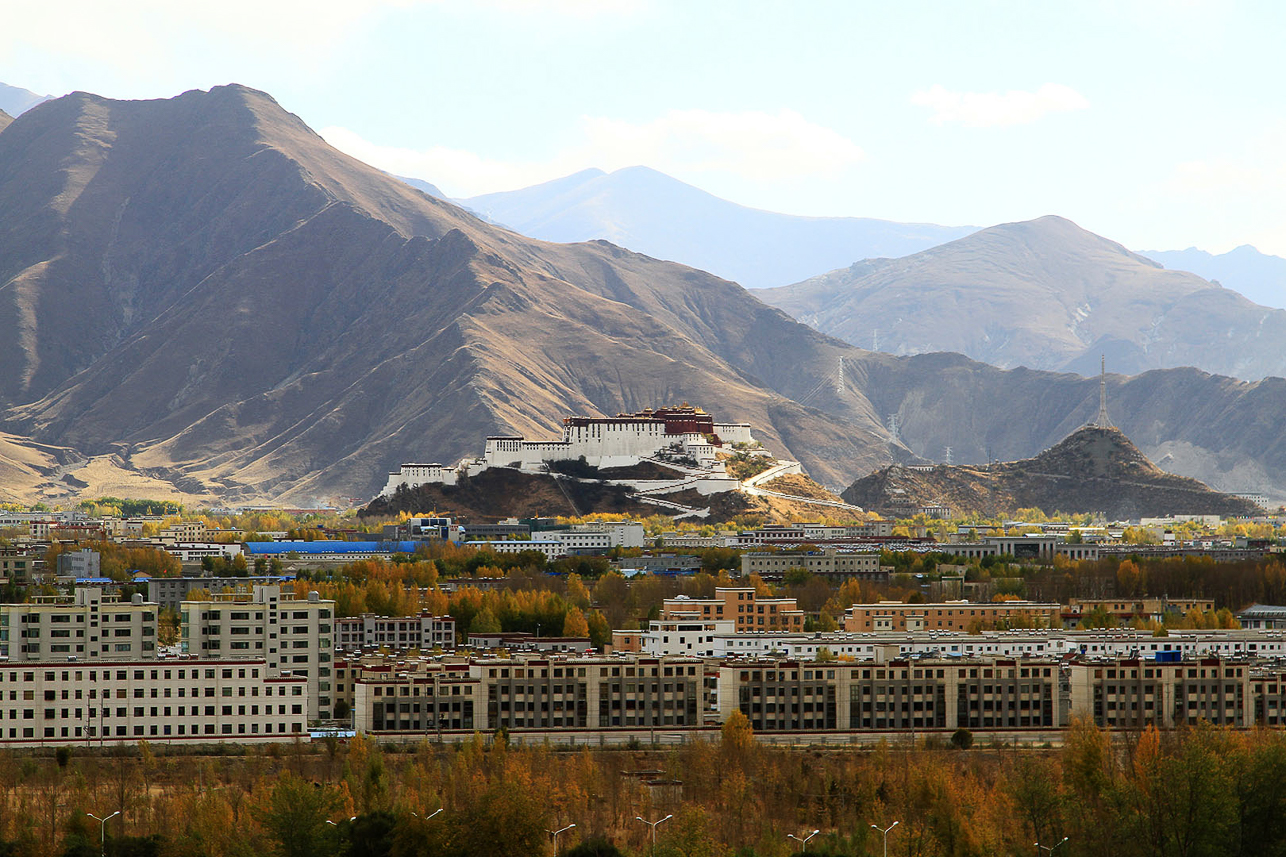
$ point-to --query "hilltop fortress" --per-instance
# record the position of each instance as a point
(683, 438)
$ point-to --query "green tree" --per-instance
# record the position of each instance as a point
(295, 817)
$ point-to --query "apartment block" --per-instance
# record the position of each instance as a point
(951, 615)
(1133, 693)
(739, 605)
(171, 592)
(167, 701)
(85, 626)
(690, 637)
(831, 563)
(899, 695)
(536, 693)
(439, 697)
(294, 636)
(397, 633)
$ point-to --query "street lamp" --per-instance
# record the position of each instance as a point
(554, 833)
(802, 842)
(430, 815)
(654, 825)
(1049, 849)
(885, 831)
(102, 831)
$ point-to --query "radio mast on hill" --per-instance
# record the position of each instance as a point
(1102, 421)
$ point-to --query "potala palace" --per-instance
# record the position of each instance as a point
(685, 439)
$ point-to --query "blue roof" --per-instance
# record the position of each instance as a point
(330, 547)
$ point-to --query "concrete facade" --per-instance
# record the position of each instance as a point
(295, 637)
(86, 626)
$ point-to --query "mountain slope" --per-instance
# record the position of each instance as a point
(5, 120)
(309, 322)
(1257, 276)
(199, 291)
(1044, 294)
(1091, 470)
(650, 212)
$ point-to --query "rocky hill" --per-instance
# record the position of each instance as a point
(1044, 294)
(1092, 470)
(199, 294)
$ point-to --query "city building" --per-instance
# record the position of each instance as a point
(398, 633)
(740, 605)
(295, 637)
(831, 563)
(1131, 693)
(900, 695)
(171, 592)
(167, 701)
(535, 693)
(85, 626)
(1126, 610)
(951, 616)
(82, 563)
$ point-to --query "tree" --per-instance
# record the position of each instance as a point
(962, 739)
(485, 622)
(737, 735)
(575, 624)
(597, 847)
(295, 817)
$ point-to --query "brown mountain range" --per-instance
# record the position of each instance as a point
(1044, 294)
(1091, 470)
(199, 295)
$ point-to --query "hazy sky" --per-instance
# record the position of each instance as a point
(1159, 124)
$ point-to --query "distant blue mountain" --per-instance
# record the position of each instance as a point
(421, 184)
(15, 100)
(1258, 276)
(649, 212)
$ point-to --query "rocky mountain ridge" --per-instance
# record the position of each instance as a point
(1095, 469)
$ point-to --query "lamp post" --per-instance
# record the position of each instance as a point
(1049, 849)
(802, 842)
(654, 825)
(554, 833)
(102, 831)
(885, 831)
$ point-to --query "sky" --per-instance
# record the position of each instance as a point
(1157, 123)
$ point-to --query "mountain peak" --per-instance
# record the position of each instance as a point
(1092, 470)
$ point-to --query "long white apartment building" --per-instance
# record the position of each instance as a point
(556, 544)
(168, 701)
(700, 639)
(293, 636)
(831, 564)
(87, 626)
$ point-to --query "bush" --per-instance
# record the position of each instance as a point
(596, 847)
(962, 739)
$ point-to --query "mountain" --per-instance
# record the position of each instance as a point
(650, 212)
(205, 290)
(1044, 294)
(1258, 276)
(5, 120)
(199, 295)
(1094, 469)
(16, 101)
(420, 184)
